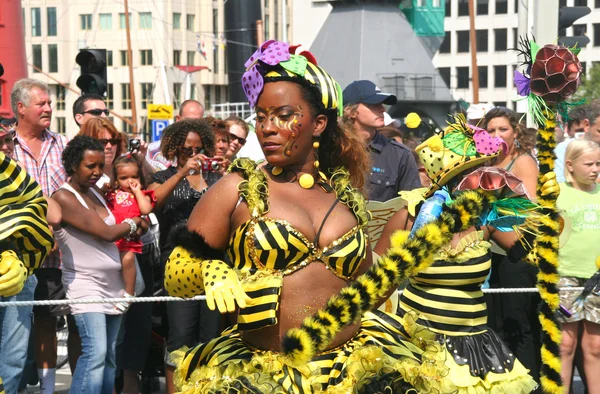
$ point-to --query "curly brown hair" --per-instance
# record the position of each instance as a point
(95, 128)
(219, 126)
(338, 146)
(513, 119)
(174, 137)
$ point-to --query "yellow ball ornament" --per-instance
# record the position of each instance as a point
(306, 181)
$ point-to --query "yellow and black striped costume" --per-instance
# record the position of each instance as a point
(23, 210)
(263, 250)
(448, 300)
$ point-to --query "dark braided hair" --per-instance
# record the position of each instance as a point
(75, 149)
(174, 137)
(338, 146)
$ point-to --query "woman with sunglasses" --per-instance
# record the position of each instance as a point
(188, 143)
(238, 133)
(104, 131)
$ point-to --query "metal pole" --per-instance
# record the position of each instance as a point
(473, 37)
(260, 32)
(134, 128)
(165, 85)
(545, 21)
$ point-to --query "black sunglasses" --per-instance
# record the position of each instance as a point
(191, 151)
(113, 141)
(241, 140)
(96, 112)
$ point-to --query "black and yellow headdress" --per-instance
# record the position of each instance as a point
(277, 59)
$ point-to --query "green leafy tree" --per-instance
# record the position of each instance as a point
(590, 85)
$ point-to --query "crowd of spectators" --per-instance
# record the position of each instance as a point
(192, 156)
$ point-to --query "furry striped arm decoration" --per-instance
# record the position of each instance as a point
(547, 262)
(406, 257)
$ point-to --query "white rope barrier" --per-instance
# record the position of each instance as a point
(177, 299)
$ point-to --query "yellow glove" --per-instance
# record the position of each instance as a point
(13, 274)
(187, 277)
(549, 185)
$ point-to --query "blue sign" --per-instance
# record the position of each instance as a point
(157, 128)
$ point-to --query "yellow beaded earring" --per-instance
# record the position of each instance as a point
(308, 180)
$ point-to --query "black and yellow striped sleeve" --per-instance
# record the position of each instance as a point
(23, 214)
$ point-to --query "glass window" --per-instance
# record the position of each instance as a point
(445, 74)
(482, 40)
(126, 126)
(215, 21)
(216, 57)
(500, 40)
(51, 13)
(207, 96)
(37, 57)
(462, 40)
(483, 76)
(597, 4)
(110, 96)
(176, 95)
(109, 58)
(596, 27)
(36, 22)
(189, 22)
(463, 7)
(124, 61)
(85, 21)
(583, 68)
(52, 58)
(483, 7)
(499, 76)
(145, 20)
(190, 57)
(501, 6)
(267, 27)
(193, 91)
(176, 58)
(61, 125)
(515, 37)
(146, 57)
(448, 9)
(580, 3)
(447, 43)
(176, 20)
(146, 94)
(462, 77)
(122, 21)
(125, 96)
(61, 93)
(105, 21)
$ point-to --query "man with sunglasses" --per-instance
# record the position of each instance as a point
(89, 106)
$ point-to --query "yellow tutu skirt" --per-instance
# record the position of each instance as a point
(482, 363)
(378, 359)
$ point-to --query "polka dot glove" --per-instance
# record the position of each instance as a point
(187, 276)
(13, 274)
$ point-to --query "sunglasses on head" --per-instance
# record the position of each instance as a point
(191, 151)
(233, 137)
(96, 112)
(113, 141)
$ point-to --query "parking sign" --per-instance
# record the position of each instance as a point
(157, 128)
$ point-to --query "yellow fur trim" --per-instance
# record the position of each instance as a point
(552, 330)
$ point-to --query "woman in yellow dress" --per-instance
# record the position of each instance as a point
(294, 234)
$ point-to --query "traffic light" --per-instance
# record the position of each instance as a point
(566, 17)
(93, 71)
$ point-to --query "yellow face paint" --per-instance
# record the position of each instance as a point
(286, 117)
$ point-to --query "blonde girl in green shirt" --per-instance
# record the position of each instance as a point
(580, 200)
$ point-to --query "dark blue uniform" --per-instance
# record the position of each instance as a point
(393, 169)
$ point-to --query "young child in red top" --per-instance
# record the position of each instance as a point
(128, 200)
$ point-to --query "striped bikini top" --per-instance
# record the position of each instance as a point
(275, 245)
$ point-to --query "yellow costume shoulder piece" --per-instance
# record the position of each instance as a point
(253, 189)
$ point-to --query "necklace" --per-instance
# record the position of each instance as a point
(306, 181)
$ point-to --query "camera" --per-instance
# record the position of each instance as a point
(134, 144)
(210, 165)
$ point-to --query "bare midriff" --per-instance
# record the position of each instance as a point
(304, 292)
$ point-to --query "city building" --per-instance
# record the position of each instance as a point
(496, 23)
(165, 34)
